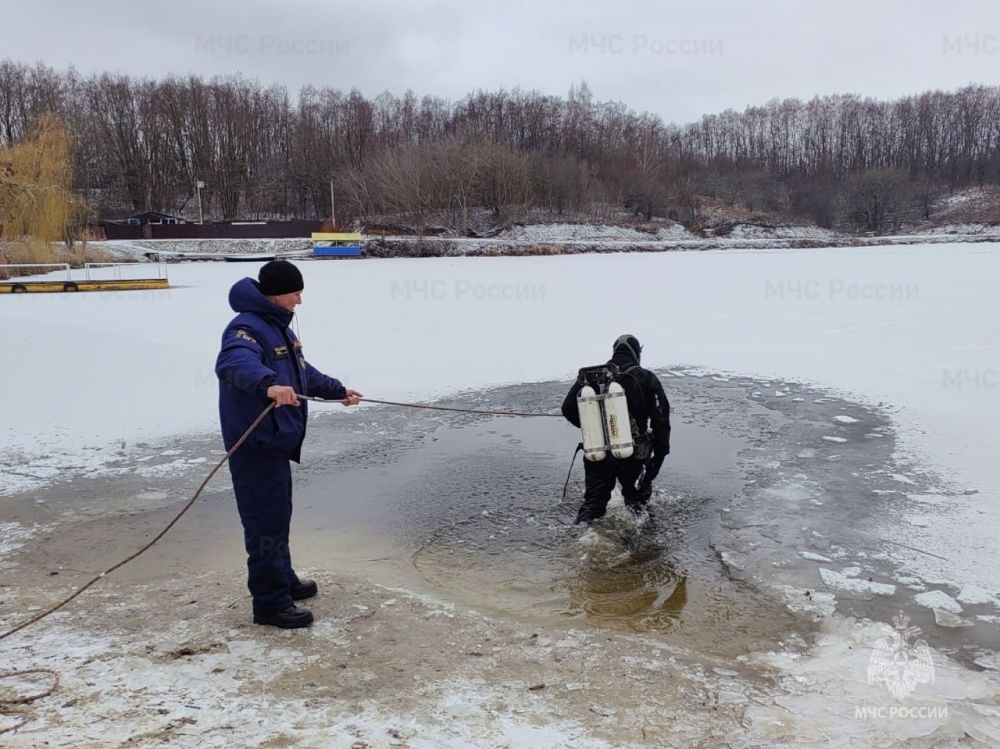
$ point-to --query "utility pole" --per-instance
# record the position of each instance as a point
(333, 207)
(198, 185)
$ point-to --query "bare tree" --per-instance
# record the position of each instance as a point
(143, 144)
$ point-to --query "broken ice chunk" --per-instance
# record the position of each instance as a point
(938, 599)
(854, 585)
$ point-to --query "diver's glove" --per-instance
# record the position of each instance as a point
(644, 489)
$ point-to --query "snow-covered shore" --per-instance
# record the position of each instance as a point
(559, 239)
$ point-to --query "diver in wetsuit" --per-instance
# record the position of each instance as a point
(649, 417)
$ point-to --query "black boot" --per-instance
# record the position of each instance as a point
(303, 589)
(293, 617)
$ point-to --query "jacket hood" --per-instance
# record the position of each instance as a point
(245, 296)
(626, 350)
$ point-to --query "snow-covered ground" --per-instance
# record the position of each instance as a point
(137, 248)
(964, 198)
(752, 231)
(592, 233)
(554, 238)
(910, 330)
(970, 230)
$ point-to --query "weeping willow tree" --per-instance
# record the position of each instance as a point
(37, 207)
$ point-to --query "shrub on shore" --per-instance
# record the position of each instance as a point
(35, 252)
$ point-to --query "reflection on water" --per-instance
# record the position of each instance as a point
(624, 577)
(642, 598)
(655, 576)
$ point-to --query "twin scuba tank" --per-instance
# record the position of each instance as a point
(604, 417)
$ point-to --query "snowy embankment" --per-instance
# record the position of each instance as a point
(592, 233)
(557, 239)
(952, 230)
(203, 248)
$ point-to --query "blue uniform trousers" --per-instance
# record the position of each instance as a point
(263, 485)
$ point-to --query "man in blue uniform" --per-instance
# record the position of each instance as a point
(262, 361)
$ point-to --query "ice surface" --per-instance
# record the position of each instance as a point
(13, 536)
(973, 595)
(845, 419)
(832, 699)
(851, 584)
(814, 603)
(938, 599)
(950, 619)
(123, 368)
(990, 661)
(814, 557)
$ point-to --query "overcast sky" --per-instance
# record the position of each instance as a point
(677, 58)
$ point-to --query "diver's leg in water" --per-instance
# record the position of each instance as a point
(629, 471)
(599, 480)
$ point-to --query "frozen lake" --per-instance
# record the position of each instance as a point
(912, 329)
(833, 453)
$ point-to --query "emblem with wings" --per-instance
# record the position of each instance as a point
(898, 665)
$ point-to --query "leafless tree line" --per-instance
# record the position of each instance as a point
(839, 160)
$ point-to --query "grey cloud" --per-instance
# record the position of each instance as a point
(678, 59)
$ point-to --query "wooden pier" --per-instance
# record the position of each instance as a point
(92, 277)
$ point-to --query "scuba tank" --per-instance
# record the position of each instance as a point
(617, 421)
(591, 424)
(604, 418)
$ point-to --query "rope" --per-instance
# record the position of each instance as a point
(161, 534)
(222, 461)
(14, 727)
(30, 697)
(25, 699)
(453, 409)
(23, 719)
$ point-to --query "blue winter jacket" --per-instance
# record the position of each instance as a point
(259, 350)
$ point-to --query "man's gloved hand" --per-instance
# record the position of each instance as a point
(654, 463)
(644, 489)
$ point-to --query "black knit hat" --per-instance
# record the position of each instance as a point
(280, 277)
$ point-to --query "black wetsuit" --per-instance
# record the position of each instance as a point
(649, 411)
